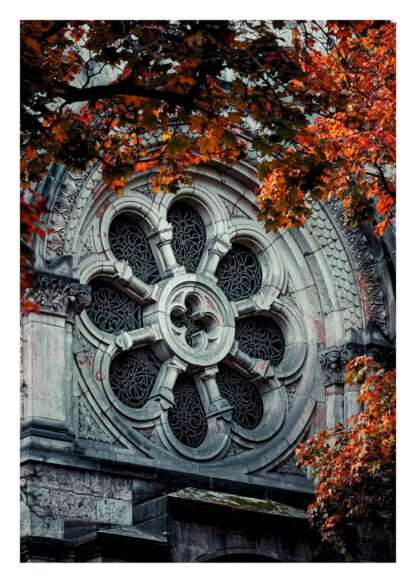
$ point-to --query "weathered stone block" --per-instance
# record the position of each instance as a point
(114, 511)
(78, 481)
(45, 396)
(73, 505)
(49, 526)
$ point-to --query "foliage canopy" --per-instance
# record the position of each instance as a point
(316, 102)
(354, 466)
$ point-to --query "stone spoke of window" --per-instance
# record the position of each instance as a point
(127, 282)
(255, 368)
(128, 243)
(260, 302)
(217, 248)
(137, 338)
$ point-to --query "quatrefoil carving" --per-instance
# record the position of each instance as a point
(194, 321)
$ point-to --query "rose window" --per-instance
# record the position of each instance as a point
(196, 336)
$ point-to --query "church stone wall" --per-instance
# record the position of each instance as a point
(94, 450)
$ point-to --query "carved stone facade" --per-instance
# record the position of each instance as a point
(179, 344)
(58, 294)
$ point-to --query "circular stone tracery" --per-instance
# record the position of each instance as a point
(193, 326)
(195, 319)
(193, 323)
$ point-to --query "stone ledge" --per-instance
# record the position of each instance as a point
(239, 503)
(105, 545)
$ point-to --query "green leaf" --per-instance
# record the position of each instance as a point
(177, 145)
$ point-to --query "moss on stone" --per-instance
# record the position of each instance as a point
(240, 502)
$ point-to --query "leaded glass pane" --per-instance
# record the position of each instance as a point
(187, 417)
(133, 375)
(128, 243)
(261, 337)
(189, 235)
(242, 396)
(112, 311)
(239, 273)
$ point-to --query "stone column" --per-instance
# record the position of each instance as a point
(218, 406)
(47, 360)
(332, 366)
(217, 248)
(351, 407)
(162, 392)
(163, 238)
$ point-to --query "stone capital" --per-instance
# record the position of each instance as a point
(332, 365)
(220, 245)
(59, 294)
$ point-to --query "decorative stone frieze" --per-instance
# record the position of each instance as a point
(367, 275)
(88, 247)
(234, 210)
(289, 467)
(235, 448)
(73, 194)
(59, 295)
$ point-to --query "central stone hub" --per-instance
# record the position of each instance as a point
(195, 318)
(195, 323)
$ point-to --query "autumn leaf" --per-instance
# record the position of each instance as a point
(34, 45)
(206, 145)
(177, 145)
(354, 466)
(324, 126)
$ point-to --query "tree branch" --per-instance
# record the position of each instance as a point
(73, 94)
